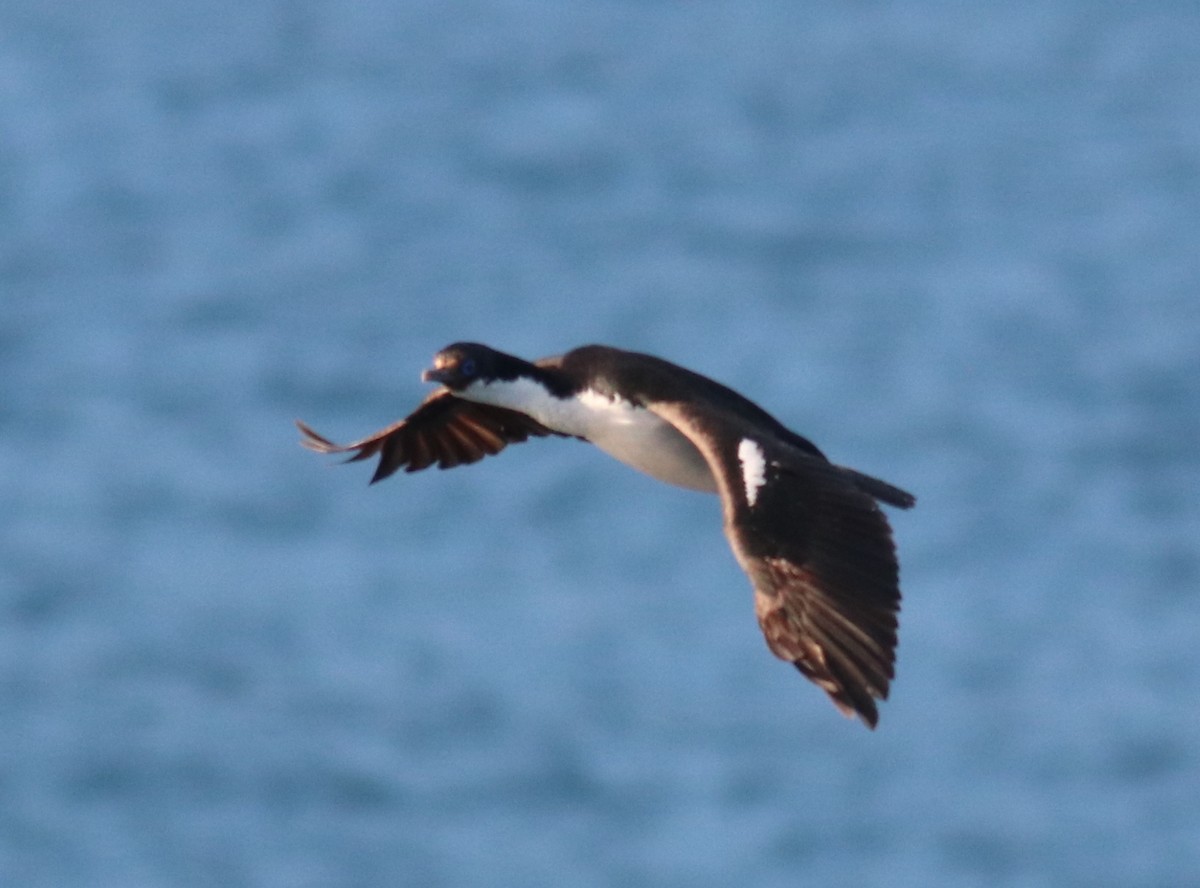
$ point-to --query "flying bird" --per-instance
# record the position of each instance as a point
(808, 533)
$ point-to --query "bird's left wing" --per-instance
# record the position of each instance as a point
(444, 430)
(817, 549)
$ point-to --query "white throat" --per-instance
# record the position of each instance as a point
(632, 434)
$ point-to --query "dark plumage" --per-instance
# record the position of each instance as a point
(808, 533)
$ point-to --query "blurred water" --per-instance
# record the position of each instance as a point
(954, 245)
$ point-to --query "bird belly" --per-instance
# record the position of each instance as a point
(641, 440)
(625, 431)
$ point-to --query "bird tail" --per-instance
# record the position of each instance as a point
(881, 490)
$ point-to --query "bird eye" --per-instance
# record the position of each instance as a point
(467, 367)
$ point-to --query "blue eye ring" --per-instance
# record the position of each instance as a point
(467, 367)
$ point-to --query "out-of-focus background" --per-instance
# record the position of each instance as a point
(955, 244)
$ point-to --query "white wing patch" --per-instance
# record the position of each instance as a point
(754, 468)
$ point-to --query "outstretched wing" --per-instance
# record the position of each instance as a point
(818, 551)
(444, 430)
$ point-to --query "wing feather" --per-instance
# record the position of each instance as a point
(444, 430)
(818, 551)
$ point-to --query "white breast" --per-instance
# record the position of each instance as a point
(624, 431)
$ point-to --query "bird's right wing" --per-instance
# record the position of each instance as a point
(817, 549)
(444, 430)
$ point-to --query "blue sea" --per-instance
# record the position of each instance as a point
(954, 244)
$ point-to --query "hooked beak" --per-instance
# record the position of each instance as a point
(435, 374)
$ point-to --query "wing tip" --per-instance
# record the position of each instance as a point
(868, 715)
(851, 699)
(311, 440)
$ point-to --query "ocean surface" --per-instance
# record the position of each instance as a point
(954, 244)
